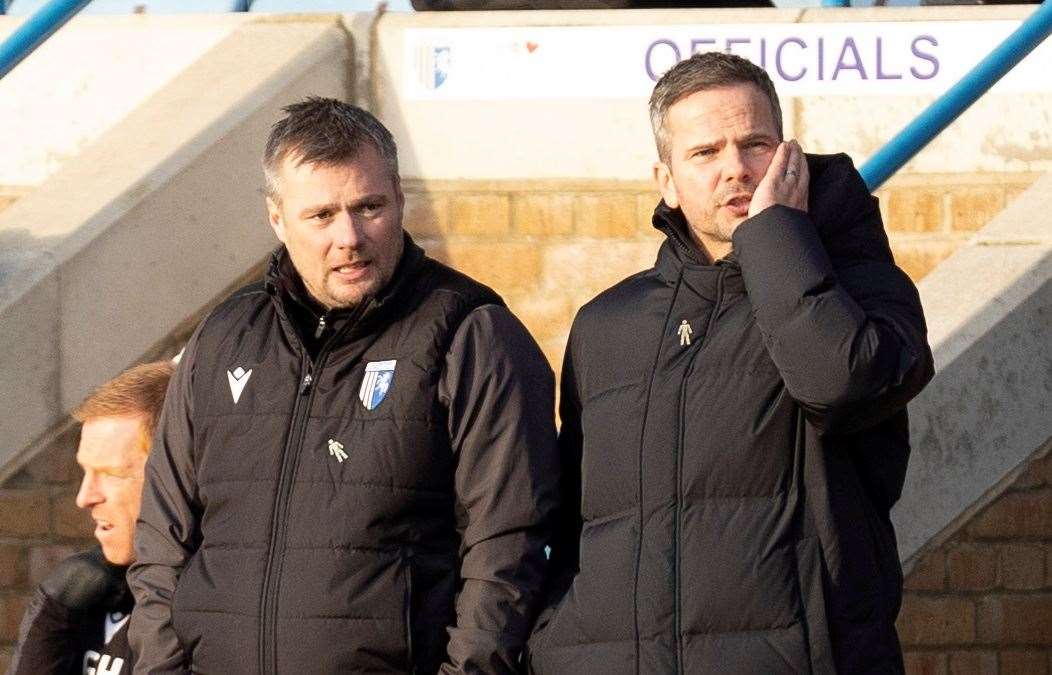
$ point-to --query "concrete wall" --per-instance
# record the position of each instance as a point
(86, 79)
(148, 225)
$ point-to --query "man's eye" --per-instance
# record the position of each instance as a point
(322, 215)
(370, 209)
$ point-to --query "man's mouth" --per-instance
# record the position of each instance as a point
(738, 204)
(102, 526)
(350, 271)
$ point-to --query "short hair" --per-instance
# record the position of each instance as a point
(707, 70)
(324, 131)
(137, 392)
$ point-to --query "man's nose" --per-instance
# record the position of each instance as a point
(89, 494)
(735, 166)
(348, 232)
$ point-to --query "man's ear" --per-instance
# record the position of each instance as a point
(274, 218)
(666, 184)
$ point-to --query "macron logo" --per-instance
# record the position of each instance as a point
(238, 378)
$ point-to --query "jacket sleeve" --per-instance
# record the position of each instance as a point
(53, 634)
(847, 333)
(566, 538)
(47, 643)
(166, 533)
(499, 391)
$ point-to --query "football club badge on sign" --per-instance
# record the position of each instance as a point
(376, 383)
(434, 65)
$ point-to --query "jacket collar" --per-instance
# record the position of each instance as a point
(680, 258)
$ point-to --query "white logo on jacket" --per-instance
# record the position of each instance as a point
(336, 450)
(238, 378)
(377, 382)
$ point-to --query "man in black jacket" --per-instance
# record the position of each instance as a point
(77, 620)
(735, 416)
(354, 470)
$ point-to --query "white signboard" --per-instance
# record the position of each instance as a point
(811, 59)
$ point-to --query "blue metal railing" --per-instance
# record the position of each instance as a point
(930, 123)
(35, 30)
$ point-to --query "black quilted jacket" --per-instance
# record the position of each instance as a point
(379, 503)
(735, 483)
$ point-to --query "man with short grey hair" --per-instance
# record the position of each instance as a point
(734, 429)
(355, 468)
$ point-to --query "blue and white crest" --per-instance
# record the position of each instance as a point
(434, 63)
(376, 383)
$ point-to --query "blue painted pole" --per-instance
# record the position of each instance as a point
(836, 3)
(35, 30)
(242, 5)
(959, 98)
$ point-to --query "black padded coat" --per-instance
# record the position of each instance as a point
(738, 434)
(379, 503)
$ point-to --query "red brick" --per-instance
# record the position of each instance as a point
(936, 621)
(544, 214)
(971, 568)
(929, 574)
(24, 512)
(505, 265)
(12, 607)
(57, 464)
(605, 215)
(1033, 662)
(480, 214)
(974, 206)
(12, 566)
(426, 215)
(915, 209)
(973, 663)
(918, 258)
(67, 519)
(1016, 515)
(44, 559)
(1022, 566)
(1015, 619)
(925, 663)
(1038, 473)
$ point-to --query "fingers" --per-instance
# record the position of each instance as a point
(779, 163)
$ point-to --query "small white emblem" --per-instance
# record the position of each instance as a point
(376, 383)
(238, 378)
(685, 331)
(336, 450)
(114, 622)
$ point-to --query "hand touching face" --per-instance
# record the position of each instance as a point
(785, 182)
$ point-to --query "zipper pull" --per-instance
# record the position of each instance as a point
(321, 327)
(308, 380)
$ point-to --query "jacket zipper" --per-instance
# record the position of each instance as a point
(301, 407)
(679, 468)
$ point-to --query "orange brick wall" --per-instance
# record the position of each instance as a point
(548, 247)
(982, 602)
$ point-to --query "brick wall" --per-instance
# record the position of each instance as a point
(982, 602)
(548, 247)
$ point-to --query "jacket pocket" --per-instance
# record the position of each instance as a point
(809, 573)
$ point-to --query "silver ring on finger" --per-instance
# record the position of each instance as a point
(791, 173)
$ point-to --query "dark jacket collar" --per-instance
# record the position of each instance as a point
(837, 196)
